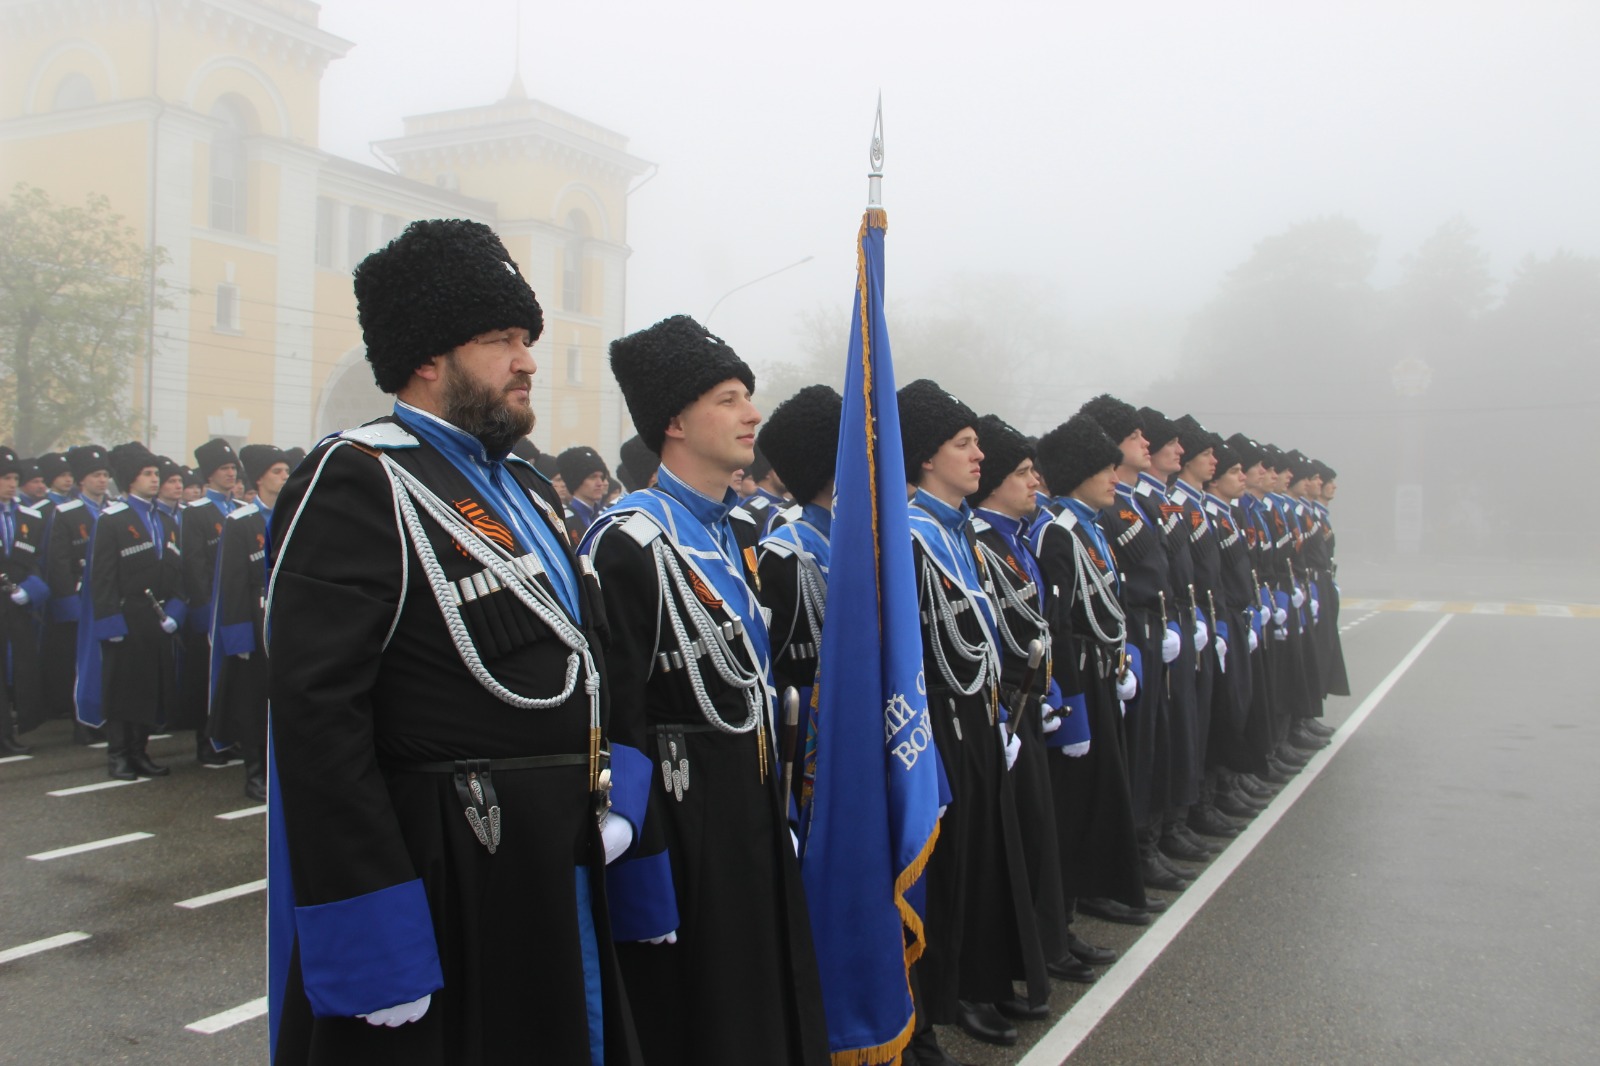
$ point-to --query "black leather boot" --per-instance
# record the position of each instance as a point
(117, 752)
(255, 772)
(10, 743)
(138, 758)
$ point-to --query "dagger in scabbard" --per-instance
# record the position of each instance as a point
(790, 737)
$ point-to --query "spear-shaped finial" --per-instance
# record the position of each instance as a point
(875, 158)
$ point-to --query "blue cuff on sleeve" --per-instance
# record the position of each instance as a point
(631, 775)
(643, 901)
(64, 609)
(1222, 629)
(38, 592)
(236, 639)
(1136, 664)
(200, 618)
(1282, 599)
(176, 610)
(368, 952)
(112, 625)
(1074, 723)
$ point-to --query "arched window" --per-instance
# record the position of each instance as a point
(230, 164)
(75, 90)
(572, 261)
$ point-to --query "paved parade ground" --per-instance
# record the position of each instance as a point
(1425, 891)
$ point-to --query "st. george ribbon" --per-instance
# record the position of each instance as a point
(874, 815)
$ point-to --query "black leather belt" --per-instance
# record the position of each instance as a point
(527, 762)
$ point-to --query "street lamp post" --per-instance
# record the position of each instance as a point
(746, 285)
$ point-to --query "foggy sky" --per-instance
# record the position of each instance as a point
(1129, 155)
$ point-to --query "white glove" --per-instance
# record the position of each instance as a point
(1314, 607)
(1202, 634)
(1222, 654)
(942, 808)
(1299, 597)
(1127, 686)
(1012, 744)
(1075, 750)
(115, 640)
(20, 597)
(1280, 617)
(394, 1017)
(1279, 633)
(616, 833)
(670, 938)
(1263, 616)
(169, 625)
(243, 656)
(1255, 642)
(1170, 645)
(1052, 723)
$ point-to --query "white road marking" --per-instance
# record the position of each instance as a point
(93, 845)
(99, 744)
(16, 758)
(159, 736)
(1075, 1026)
(229, 816)
(98, 786)
(229, 1018)
(223, 894)
(223, 765)
(24, 950)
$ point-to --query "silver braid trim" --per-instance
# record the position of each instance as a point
(1096, 585)
(670, 574)
(409, 492)
(944, 622)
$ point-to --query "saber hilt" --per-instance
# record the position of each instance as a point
(1025, 688)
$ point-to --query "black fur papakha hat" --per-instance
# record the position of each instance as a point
(665, 368)
(256, 459)
(1301, 466)
(52, 465)
(1004, 449)
(192, 478)
(1275, 458)
(166, 468)
(212, 454)
(929, 416)
(1159, 430)
(1328, 473)
(759, 466)
(577, 463)
(525, 450)
(9, 463)
(128, 460)
(801, 440)
(1116, 418)
(432, 289)
(1074, 452)
(1194, 437)
(640, 462)
(1250, 453)
(1226, 458)
(85, 459)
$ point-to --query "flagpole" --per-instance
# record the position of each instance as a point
(875, 160)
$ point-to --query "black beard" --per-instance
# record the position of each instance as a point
(483, 412)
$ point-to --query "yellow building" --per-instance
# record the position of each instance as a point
(198, 120)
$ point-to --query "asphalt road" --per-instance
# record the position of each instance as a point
(1429, 896)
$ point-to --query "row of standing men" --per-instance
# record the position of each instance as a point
(526, 798)
(151, 620)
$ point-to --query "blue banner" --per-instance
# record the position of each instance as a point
(874, 812)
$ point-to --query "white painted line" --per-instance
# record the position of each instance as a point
(16, 758)
(1074, 1027)
(229, 1018)
(159, 736)
(98, 786)
(24, 950)
(1550, 610)
(93, 845)
(222, 765)
(99, 744)
(217, 897)
(245, 813)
